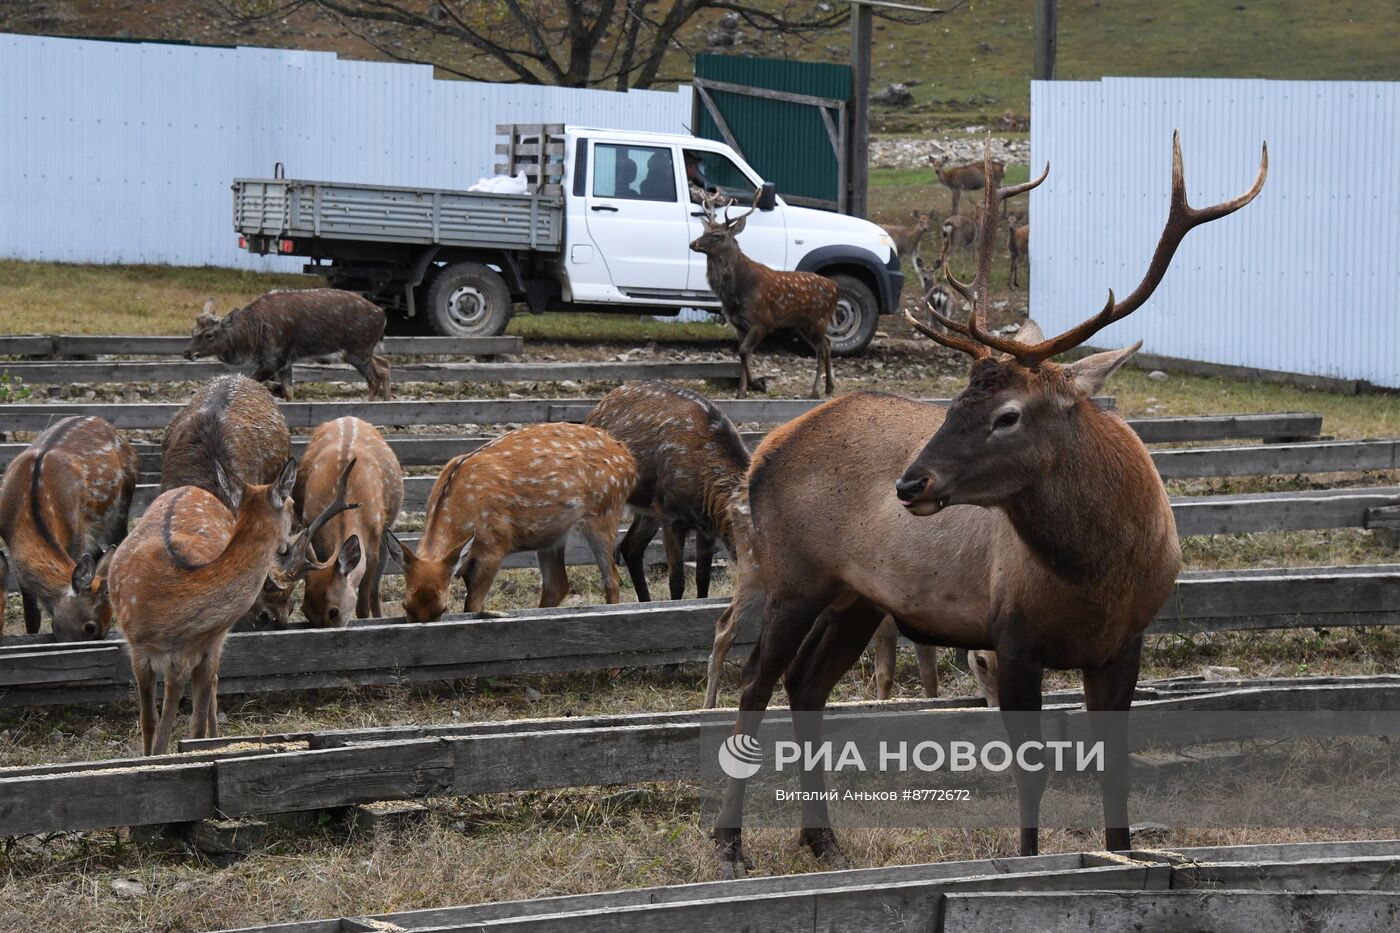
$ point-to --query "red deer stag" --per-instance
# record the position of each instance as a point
(354, 544)
(1022, 519)
(1018, 243)
(187, 573)
(758, 300)
(280, 328)
(690, 460)
(906, 239)
(63, 501)
(233, 421)
(524, 491)
(971, 176)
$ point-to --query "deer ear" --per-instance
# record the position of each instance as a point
(349, 557)
(206, 314)
(232, 489)
(282, 488)
(83, 572)
(398, 550)
(463, 556)
(1030, 332)
(1090, 373)
(736, 227)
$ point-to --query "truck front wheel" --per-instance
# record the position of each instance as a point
(468, 299)
(857, 314)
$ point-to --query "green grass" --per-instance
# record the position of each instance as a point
(626, 328)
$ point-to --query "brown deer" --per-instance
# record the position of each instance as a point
(276, 330)
(63, 501)
(524, 491)
(233, 421)
(187, 573)
(353, 544)
(971, 176)
(1018, 242)
(1022, 519)
(906, 238)
(758, 300)
(960, 232)
(690, 459)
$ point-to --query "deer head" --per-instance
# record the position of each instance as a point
(209, 333)
(1020, 412)
(333, 604)
(83, 612)
(427, 581)
(719, 234)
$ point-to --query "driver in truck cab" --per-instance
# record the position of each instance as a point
(695, 177)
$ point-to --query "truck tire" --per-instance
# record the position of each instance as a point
(857, 315)
(468, 299)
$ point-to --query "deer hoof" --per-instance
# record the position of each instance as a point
(824, 848)
(760, 384)
(732, 870)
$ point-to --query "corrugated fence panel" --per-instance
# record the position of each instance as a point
(118, 152)
(1305, 279)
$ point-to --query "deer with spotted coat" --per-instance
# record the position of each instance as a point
(188, 571)
(524, 491)
(63, 502)
(758, 300)
(1022, 518)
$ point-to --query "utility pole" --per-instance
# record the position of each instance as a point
(1044, 40)
(862, 36)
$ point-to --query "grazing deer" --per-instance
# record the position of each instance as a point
(233, 421)
(906, 239)
(524, 491)
(1022, 519)
(63, 501)
(690, 459)
(971, 176)
(1018, 241)
(959, 232)
(187, 573)
(280, 328)
(758, 300)
(354, 544)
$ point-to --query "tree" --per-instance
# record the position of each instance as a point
(571, 43)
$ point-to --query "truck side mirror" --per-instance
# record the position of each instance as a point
(767, 197)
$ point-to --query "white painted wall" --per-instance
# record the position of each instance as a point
(1305, 279)
(117, 152)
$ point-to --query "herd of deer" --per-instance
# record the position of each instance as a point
(1022, 523)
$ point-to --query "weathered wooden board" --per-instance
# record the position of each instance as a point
(60, 346)
(1278, 459)
(102, 795)
(96, 373)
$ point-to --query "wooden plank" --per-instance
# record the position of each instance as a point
(1280, 511)
(1171, 911)
(69, 345)
(70, 373)
(102, 796)
(1344, 873)
(1225, 427)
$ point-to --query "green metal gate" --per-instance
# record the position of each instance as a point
(789, 120)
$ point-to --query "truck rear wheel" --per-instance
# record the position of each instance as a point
(468, 299)
(857, 315)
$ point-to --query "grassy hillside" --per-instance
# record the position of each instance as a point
(971, 64)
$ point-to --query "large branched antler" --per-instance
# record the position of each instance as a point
(297, 559)
(711, 202)
(753, 206)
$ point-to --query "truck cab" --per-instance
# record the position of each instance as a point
(605, 226)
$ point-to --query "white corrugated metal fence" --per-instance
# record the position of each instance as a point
(1306, 279)
(118, 152)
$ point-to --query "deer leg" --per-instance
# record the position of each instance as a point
(32, 617)
(480, 573)
(175, 679)
(375, 609)
(600, 533)
(885, 647)
(746, 604)
(704, 560)
(146, 702)
(381, 369)
(1019, 682)
(928, 669)
(957, 196)
(787, 618)
(365, 367)
(835, 644)
(554, 579)
(288, 384)
(673, 537)
(752, 338)
(1108, 691)
(204, 715)
(633, 551)
(825, 354)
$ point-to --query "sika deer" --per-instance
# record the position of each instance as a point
(276, 330)
(758, 300)
(690, 459)
(1018, 242)
(354, 544)
(63, 501)
(906, 239)
(971, 176)
(186, 574)
(959, 232)
(232, 421)
(1032, 522)
(524, 491)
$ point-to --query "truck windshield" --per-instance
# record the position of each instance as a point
(637, 173)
